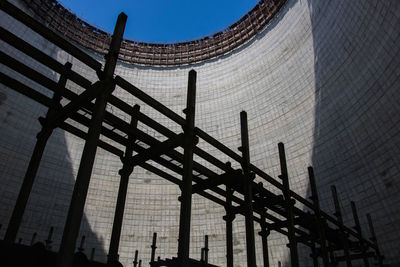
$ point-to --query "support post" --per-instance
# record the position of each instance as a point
(82, 245)
(30, 175)
(186, 186)
(358, 229)
(48, 241)
(373, 238)
(229, 217)
(135, 261)
(343, 236)
(318, 217)
(206, 249)
(247, 190)
(264, 238)
(153, 248)
(33, 240)
(125, 172)
(79, 194)
(333, 259)
(92, 254)
(294, 256)
(314, 255)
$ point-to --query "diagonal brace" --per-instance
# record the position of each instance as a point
(155, 151)
(215, 181)
(73, 106)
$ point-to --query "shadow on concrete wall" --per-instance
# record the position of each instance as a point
(50, 198)
(357, 138)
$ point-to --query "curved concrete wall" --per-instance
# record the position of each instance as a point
(323, 78)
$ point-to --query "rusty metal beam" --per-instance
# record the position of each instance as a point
(343, 235)
(125, 172)
(264, 233)
(375, 240)
(157, 150)
(56, 39)
(216, 180)
(229, 217)
(73, 106)
(149, 100)
(319, 220)
(151, 141)
(289, 207)
(78, 199)
(358, 229)
(186, 186)
(111, 120)
(41, 57)
(247, 191)
(34, 163)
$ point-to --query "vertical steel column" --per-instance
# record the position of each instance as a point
(318, 216)
(264, 238)
(358, 229)
(229, 217)
(247, 190)
(153, 248)
(125, 172)
(33, 240)
(343, 236)
(48, 240)
(92, 252)
(30, 175)
(78, 199)
(332, 257)
(373, 238)
(186, 186)
(206, 249)
(82, 245)
(135, 261)
(314, 255)
(289, 207)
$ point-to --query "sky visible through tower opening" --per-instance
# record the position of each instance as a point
(162, 21)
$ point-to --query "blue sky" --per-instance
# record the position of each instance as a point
(162, 20)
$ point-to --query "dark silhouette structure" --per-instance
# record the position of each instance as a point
(316, 229)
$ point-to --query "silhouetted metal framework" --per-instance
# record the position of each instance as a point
(56, 17)
(235, 189)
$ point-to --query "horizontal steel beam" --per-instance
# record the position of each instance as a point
(149, 140)
(214, 181)
(72, 107)
(56, 39)
(156, 150)
(121, 125)
(152, 141)
(149, 100)
(41, 57)
(29, 92)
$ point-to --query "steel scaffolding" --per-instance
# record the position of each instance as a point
(234, 189)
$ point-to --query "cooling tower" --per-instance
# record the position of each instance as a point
(320, 76)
